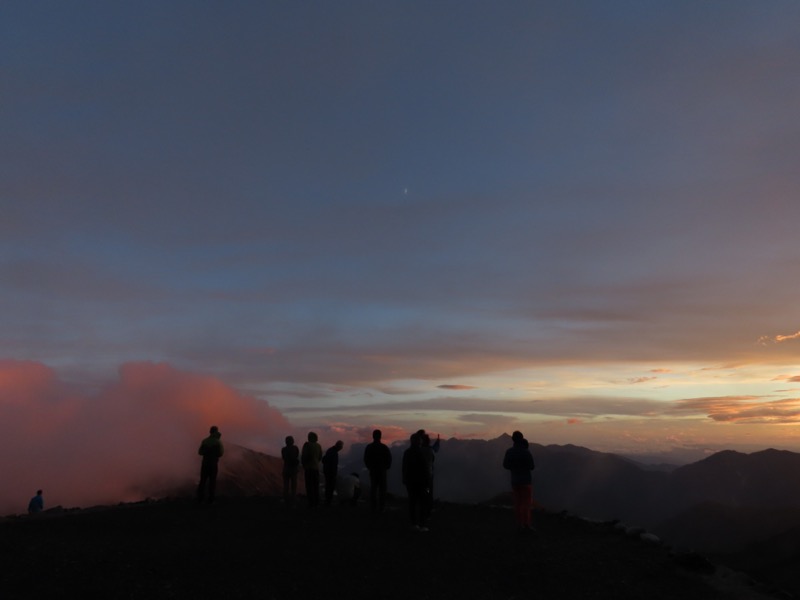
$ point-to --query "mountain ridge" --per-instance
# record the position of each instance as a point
(243, 547)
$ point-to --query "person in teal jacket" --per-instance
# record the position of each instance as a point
(211, 450)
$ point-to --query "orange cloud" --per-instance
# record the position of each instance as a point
(136, 437)
(634, 380)
(764, 339)
(455, 386)
(744, 409)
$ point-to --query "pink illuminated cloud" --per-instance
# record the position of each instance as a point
(136, 437)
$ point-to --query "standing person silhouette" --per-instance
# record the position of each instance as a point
(416, 478)
(436, 445)
(309, 458)
(430, 457)
(330, 467)
(291, 465)
(378, 460)
(519, 461)
(430, 451)
(211, 450)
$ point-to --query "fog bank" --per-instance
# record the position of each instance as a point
(135, 437)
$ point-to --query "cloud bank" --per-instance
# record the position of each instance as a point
(134, 437)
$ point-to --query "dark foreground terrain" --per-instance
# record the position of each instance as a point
(257, 548)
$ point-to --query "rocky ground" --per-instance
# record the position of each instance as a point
(258, 548)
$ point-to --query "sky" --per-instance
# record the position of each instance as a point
(575, 219)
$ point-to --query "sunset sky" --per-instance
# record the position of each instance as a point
(576, 219)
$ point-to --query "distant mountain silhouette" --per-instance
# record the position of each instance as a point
(766, 479)
(729, 500)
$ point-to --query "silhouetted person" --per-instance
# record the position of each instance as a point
(431, 450)
(36, 505)
(519, 461)
(211, 450)
(416, 478)
(430, 456)
(309, 458)
(435, 446)
(378, 460)
(291, 466)
(330, 468)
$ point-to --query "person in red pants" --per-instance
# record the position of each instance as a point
(519, 461)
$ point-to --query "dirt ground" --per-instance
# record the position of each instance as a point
(259, 548)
